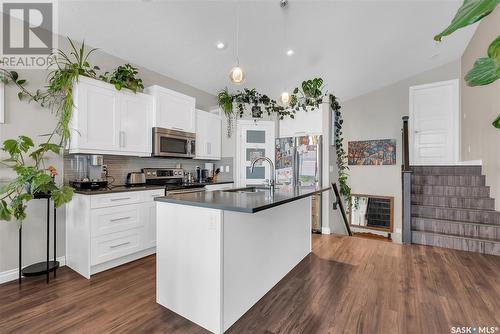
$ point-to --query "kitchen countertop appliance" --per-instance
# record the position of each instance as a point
(89, 174)
(172, 179)
(173, 143)
(136, 179)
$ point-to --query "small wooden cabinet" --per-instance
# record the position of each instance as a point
(107, 230)
(107, 121)
(172, 110)
(208, 135)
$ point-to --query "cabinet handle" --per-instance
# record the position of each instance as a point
(122, 244)
(121, 218)
(119, 199)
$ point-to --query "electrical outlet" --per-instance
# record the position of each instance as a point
(104, 170)
(227, 169)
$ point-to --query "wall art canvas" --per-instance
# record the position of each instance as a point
(372, 152)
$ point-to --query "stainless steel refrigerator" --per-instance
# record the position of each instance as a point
(298, 163)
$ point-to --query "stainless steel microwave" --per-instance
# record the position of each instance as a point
(173, 143)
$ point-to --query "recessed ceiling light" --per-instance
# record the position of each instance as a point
(220, 45)
(290, 52)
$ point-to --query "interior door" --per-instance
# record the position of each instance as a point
(434, 128)
(135, 134)
(255, 139)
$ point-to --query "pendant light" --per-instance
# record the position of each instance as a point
(285, 96)
(237, 75)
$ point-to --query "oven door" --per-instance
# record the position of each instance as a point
(168, 143)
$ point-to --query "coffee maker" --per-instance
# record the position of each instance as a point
(90, 174)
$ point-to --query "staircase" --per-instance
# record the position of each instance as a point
(451, 208)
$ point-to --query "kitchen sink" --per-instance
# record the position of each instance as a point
(247, 190)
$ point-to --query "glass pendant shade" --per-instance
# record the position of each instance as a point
(237, 75)
(285, 98)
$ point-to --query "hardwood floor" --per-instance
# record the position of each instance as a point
(347, 285)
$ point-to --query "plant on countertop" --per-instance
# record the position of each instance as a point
(343, 169)
(33, 178)
(486, 70)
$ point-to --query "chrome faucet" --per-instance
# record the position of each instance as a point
(271, 164)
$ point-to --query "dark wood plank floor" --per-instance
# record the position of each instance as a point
(347, 285)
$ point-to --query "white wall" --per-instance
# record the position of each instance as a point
(32, 120)
(377, 115)
(480, 106)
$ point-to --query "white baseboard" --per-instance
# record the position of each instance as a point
(13, 274)
(325, 230)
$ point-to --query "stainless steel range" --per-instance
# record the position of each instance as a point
(172, 179)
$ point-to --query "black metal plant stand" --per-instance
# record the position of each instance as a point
(40, 268)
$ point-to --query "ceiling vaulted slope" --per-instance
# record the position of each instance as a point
(356, 46)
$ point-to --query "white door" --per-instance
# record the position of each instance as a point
(434, 123)
(98, 117)
(255, 139)
(135, 130)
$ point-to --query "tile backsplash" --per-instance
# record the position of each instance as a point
(118, 166)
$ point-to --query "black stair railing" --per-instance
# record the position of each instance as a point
(338, 202)
(406, 175)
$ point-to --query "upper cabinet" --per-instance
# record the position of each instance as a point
(107, 121)
(208, 135)
(303, 123)
(172, 110)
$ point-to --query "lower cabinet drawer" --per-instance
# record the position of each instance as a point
(108, 200)
(112, 246)
(115, 219)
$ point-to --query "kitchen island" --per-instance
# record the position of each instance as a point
(219, 252)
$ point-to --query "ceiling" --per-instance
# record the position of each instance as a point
(356, 46)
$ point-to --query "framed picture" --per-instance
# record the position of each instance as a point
(371, 152)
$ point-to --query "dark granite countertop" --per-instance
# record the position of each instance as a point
(240, 201)
(124, 188)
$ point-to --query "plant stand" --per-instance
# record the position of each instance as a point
(40, 268)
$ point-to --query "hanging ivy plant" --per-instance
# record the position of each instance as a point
(342, 166)
(309, 97)
(33, 178)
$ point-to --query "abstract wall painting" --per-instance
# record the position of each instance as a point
(371, 152)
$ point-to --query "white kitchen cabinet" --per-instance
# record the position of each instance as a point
(303, 123)
(172, 110)
(208, 135)
(136, 114)
(107, 121)
(107, 230)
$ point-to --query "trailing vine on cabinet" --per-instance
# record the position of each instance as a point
(28, 160)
